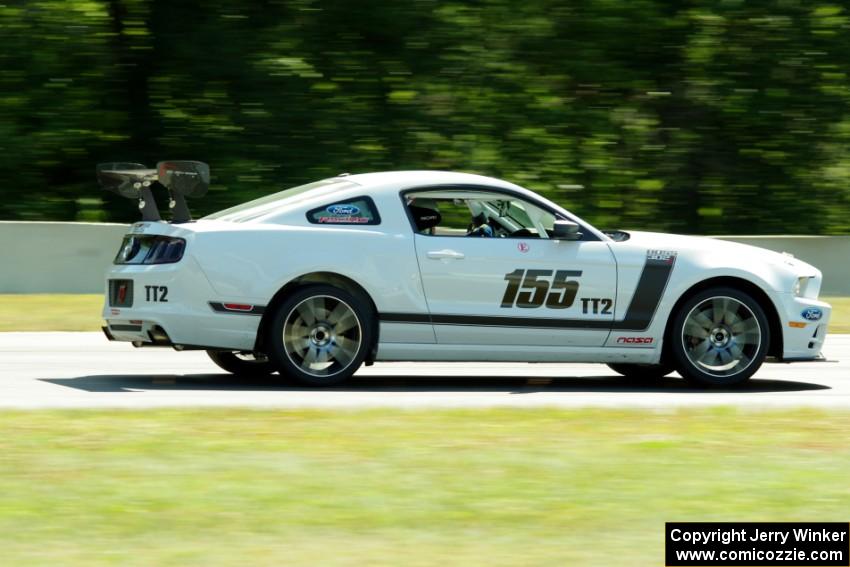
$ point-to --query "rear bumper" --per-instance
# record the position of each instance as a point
(186, 319)
(153, 334)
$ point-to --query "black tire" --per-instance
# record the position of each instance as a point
(328, 349)
(737, 335)
(241, 365)
(642, 371)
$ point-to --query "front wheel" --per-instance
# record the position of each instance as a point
(242, 364)
(321, 335)
(720, 337)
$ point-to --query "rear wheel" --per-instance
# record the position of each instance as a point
(720, 337)
(321, 334)
(642, 371)
(242, 363)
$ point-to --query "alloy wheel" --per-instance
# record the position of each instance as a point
(322, 335)
(721, 336)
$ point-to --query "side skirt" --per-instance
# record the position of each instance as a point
(504, 353)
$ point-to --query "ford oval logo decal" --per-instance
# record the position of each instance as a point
(343, 210)
(812, 314)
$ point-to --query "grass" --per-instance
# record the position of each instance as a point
(840, 320)
(82, 313)
(448, 487)
(50, 312)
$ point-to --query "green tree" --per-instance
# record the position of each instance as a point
(707, 116)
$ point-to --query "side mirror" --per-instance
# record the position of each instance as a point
(565, 230)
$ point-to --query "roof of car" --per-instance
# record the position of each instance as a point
(346, 185)
(424, 178)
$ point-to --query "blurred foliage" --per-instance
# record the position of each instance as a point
(712, 116)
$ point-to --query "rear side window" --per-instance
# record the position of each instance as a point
(359, 210)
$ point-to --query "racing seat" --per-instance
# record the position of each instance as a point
(424, 218)
(480, 227)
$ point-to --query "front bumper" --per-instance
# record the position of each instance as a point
(802, 339)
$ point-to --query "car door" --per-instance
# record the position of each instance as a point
(523, 290)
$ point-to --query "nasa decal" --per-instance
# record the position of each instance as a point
(812, 314)
(635, 340)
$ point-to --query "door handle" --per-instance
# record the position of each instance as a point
(445, 254)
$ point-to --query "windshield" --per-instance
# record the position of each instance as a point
(266, 204)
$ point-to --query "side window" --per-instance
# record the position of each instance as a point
(360, 210)
(477, 214)
(440, 216)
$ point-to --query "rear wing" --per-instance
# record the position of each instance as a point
(134, 181)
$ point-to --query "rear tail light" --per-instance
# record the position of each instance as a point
(150, 249)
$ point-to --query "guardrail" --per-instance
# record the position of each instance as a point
(58, 257)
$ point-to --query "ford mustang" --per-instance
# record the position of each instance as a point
(314, 281)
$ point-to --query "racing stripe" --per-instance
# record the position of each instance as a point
(405, 318)
(648, 293)
(538, 322)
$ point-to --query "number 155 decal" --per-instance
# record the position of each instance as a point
(560, 293)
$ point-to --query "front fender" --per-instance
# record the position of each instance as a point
(695, 263)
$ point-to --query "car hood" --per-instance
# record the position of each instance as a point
(702, 244)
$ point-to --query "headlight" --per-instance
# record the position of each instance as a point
(800, 286)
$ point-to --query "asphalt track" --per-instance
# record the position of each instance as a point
(84, 370)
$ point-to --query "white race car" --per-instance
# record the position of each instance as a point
(316, 280)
